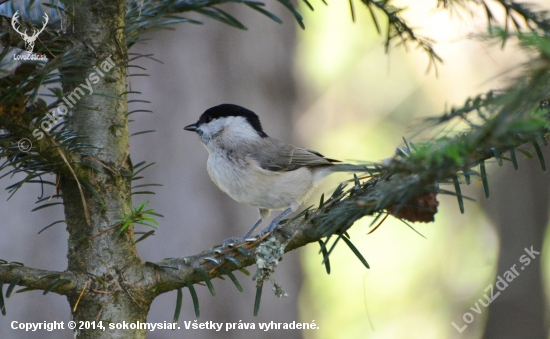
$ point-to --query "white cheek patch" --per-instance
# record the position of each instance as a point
(234, 129)
(209, 130)
(213, 127)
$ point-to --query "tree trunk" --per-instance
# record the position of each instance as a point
(94, 248)
(519, 208)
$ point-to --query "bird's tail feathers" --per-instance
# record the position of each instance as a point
(348, 168)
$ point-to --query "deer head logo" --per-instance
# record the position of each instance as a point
(29, 40)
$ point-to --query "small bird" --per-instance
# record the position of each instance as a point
(253, 168)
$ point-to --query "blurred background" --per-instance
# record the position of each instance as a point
(333, 89)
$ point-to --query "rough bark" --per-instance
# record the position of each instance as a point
(94, 248)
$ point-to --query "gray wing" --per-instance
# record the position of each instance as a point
(275, 155)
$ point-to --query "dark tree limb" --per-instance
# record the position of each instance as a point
(38, 279)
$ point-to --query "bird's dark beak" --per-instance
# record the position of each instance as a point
(192, 128)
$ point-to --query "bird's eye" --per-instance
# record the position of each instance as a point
(208, 119)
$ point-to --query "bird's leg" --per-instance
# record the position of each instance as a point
(264, 213)
(234, 241)
(247, 235)
(275, 221)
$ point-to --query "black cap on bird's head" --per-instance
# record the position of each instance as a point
(228, 110)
